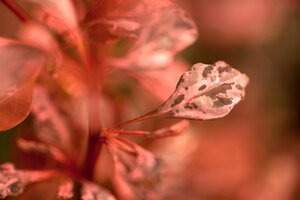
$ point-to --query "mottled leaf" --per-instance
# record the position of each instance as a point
(13, 182)
(65, 189)
(91, 191)
(205, 92)
(141, 165)
(137, 172)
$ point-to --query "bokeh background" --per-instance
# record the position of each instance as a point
(253, 153)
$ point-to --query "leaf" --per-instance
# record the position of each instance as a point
(15, 107)
(13, 182)
(65, 190)
(41, 148)
(205, 92)
(137, 173)
(157, 44)
(19, 64)
(51, 126)
(92, 191)
(141, 165)
(19, 67)
(59, 15)
(160, 82)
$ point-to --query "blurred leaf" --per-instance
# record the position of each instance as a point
(91, 191)
(65, 190)
(19, 67)
(13, 182)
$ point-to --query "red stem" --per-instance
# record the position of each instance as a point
(17, 10)
(149, 115)
(140, 133)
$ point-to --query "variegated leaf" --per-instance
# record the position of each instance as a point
(91, 191)
(65, 190)
(13, 182)
(205, 92)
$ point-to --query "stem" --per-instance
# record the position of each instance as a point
(149, 115)
(94, 148)
(17, 10)
(139, 133)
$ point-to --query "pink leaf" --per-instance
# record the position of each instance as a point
(19, 64)
(51, 126)
(92, 191)
(37, 147)
(157, 44)
(13, 182)
(19, 67)
(160, 82)
(205, 92)
(137, 174)
(65, 190)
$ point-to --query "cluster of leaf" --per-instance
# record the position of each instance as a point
(57, 72)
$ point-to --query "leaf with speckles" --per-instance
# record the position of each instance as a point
(65, 189)
(205, 92)
(13, 182)
(91, 191)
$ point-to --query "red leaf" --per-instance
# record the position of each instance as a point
(205, 92)
(15, 107)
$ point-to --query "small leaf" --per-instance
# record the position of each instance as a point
(65, 190)
(13, 182)
(92, 191)
(205, 92)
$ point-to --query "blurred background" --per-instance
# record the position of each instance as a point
(253, 153)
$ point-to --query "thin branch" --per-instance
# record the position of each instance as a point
(17, 10)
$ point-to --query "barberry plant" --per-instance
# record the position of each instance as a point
(65, 74)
